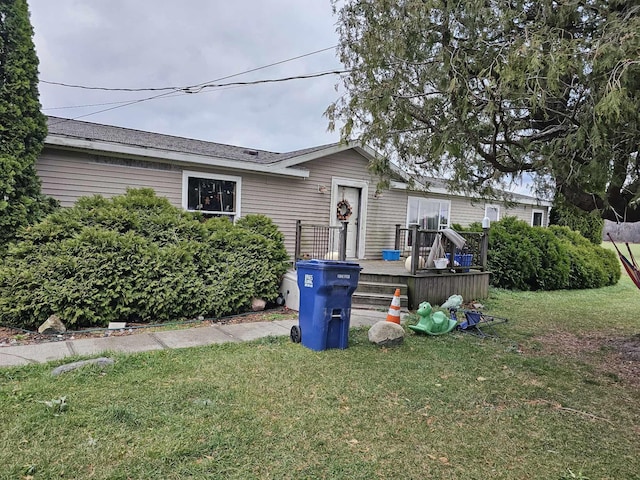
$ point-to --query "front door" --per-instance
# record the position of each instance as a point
(352, 195)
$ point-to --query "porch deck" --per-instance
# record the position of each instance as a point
(383, 267)
(465, 275)
(427, 285)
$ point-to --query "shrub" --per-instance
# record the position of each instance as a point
(522, 257)
(588, 224)
(591, 265)
(525, 258)
(136, 258)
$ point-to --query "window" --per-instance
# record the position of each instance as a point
(214, 195)
(492, 212)
(428, 213)
(537, 218)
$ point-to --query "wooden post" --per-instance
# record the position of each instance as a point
(452, 254)
(342, 244)
(484, 248)
(296, 253)
(415, 250)
(397, 243)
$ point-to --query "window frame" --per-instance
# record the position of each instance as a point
(440, 201)
(187, 174)
(492, 206)
(533, 214)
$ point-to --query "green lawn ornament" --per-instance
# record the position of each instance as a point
(432, 323)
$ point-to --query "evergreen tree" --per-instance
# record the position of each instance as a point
(22, 125)
(590, 225)
(486, 90)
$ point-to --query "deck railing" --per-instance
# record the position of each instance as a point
(321, 241)
(472, 256)
(326, 242)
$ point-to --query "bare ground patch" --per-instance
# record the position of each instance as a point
(614, 356)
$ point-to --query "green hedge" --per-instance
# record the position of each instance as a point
(136, 258)
(589, 225)
(591, 265)
(522, 257)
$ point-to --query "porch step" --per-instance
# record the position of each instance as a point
(376, 300)
(381, 287)
(376, 294)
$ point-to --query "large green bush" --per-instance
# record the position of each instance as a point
(522, 257)
(588, 224)
(591, 265)
(136, 258)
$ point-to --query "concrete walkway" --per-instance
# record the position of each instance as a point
(142, 342)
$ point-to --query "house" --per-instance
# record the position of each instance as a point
(83, 158)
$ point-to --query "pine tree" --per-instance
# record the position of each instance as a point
(483, 91)
(22, 125)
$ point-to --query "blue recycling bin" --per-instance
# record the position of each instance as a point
(326, 288)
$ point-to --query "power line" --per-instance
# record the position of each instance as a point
(109, 89)
(160, 89)
(68, 107)
(201, 89)
(161, 95)
(193, 90)
(177, 94)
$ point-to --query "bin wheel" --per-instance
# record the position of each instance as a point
(296, 335)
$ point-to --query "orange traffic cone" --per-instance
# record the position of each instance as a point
(394, 309)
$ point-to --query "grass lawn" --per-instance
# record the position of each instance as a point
(552, 398)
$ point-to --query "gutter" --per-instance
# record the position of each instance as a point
(517, 198)
(93, 146)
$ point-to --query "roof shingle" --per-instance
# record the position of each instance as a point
(126, 136)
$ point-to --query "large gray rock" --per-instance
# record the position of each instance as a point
(52, 325)
(386, 334)
(102, 361)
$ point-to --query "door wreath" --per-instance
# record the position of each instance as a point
(344, 210)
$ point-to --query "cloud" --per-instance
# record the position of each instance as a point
(120, 43)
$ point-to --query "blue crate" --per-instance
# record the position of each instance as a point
(462, 260)
(391, 255)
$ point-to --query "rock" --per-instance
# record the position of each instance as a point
(257, 304)
(102, 361)
(386, 334)
(52, 325)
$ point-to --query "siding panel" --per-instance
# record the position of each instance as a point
(68, 176)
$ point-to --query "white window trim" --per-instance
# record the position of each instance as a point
(432, 199)
(211, 176)
(448, 213)
(497, 208)
(533, 212)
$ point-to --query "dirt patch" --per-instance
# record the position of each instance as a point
(613, 356)
(12, 337)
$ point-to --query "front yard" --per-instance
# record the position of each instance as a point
(556, 396)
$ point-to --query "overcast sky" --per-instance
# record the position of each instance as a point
(160, 43)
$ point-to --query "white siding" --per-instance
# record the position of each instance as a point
(286, 200)
(67, 176)
(465, 211)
